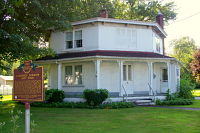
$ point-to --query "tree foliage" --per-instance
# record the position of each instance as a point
(142, 10)
(22, 25)
(25, 23)
(183, 50)
(195, 65)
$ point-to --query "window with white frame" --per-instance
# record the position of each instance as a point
(158, 42)
(78, 39)
(73, 75)
(127, 72)
(74, 39)
(69, 40)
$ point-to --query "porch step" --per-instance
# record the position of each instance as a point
(140, 100)
(144, 102)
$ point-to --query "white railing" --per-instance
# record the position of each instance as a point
(152, 92)
(126, 95)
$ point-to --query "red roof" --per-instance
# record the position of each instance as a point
(106, 53)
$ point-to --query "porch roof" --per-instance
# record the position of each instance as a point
(105, 53)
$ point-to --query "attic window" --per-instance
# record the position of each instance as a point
(74, 39)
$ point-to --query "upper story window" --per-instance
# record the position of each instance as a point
(78, 39)
(74, 39)
(158, 42)
(69, 40)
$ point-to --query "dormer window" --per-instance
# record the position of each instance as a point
(74, 39)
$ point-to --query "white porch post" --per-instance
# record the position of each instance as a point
(120, 64)
(59, 76)
(169, 75)
(97, 70)
(150, 71)
(49, 75)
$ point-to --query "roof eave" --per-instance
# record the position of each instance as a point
(120, 21)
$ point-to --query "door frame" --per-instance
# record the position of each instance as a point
(161, 78)
(131, 89)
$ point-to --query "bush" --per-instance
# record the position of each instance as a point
(54, 95)
(95, 97)
(178, 101)
(186, 88)
(61, 105)
(116, 105)
(83, 105)
(172, 96)
(1, 97)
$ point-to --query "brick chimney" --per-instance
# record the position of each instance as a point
(159, 19)
(103, 13)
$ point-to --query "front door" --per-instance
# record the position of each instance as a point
(164, 80)
(127, 84)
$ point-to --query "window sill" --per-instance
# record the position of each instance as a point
(73, 49)
(73, 86)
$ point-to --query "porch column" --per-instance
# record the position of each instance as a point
(49, 75)
(150, 71)
(59, 76)
(97, 70)
(169, 76)
(120, 64)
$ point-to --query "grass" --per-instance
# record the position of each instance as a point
(6, 98)
(138, 119)
(196, 92)
(196, 104)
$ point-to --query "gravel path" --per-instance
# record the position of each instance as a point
(197, 98)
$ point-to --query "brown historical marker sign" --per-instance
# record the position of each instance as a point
(28, 83)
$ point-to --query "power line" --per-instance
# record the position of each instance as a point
(189, 16)
(197, 13)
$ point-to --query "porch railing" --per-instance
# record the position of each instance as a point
(126, 95)
(152, 92)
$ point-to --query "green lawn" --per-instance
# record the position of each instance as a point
(196, 104)
(132, 120)
(6, 98)
(196, 92)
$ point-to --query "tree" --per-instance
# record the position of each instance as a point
(195, 65)
(142, 10)
(23, 23)
(183, 50)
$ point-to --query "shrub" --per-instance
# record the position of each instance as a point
(95, 97)
(172, 96)
(61, 105)
(1, 97)
(54, 95)
(178, 101)
(116, 105)
(186, 88)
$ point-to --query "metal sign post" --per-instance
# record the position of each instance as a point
(27, 117)
(28, 87)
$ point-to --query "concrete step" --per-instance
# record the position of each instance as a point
(150, 103)
(144, 102)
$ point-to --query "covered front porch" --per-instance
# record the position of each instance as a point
(120, 76)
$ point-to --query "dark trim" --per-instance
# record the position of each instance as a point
(105, 53)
